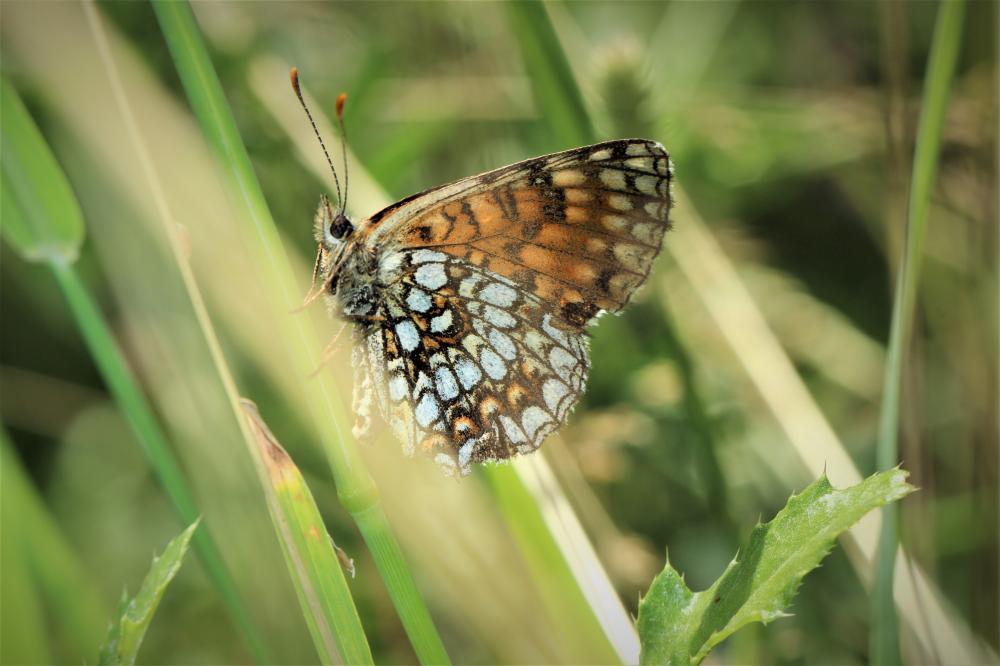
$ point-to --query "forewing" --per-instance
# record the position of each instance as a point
(577, 229)
(468, 366)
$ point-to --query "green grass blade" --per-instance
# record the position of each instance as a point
(31, 233)
(41, 217)
(316, 571)
(50, 567)
(884, 647)
(678, 626)
(558, 587)
(126, 633)
(555, 90)
(26, 638)
(354, 485)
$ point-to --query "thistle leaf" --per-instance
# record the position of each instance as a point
(678, 626)
(126, 633)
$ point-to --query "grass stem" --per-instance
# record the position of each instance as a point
(43, 222)
(355, 488)
(884, 640)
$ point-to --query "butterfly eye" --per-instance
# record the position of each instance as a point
(332, 226)
(341, 227)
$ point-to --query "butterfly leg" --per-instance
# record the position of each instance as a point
(328, 352)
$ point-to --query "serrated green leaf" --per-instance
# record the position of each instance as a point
(678, 626)
(126, 633)
(41, 217)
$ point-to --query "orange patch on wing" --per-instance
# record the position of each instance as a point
(464, 426)
(487, 406)
(515, 395)
(434, 441)
(554, 235)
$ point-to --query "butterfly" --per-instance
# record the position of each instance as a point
(470, 301)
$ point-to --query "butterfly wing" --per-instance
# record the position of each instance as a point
(468, 366)
(488, 285)
(579, 228)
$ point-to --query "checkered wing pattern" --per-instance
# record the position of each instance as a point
(490, 283)
(469, 366)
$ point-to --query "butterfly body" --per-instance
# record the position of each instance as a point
(471, 300)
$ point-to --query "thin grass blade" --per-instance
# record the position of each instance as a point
(884, 647)
(26, 180)
(26, 636)
(316, 569)
(354, 484)
(552, 81)
(42, 219)
(69, 595)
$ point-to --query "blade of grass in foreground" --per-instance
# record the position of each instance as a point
(71, 599)
(355, 487)
(884, 645)
(316, 571)
(26, 638)
(566, 602)
(326, 600)
(43, 222)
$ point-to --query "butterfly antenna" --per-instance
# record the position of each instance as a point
(294, 74)
(341, 98)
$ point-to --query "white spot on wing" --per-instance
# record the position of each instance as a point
(427, 409)
(468, 286)
(613, 178)
(536, 342)
(447, 387)
(498, 317)
(647, 184)
(514, 433)
(498, 294)
(442, 322)
(561, 361)
(644, 232)
(408, 336)
(468, 373)
(640, 163)
(637, 149)
(418, 300)
(389, 266)
(465, 453)
(397, 388)
(503, 344)
(553, 391)
(533, 419)
(424, 256)
(431, 276)
(492, 364)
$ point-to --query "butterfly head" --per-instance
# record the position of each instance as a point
(333, 228)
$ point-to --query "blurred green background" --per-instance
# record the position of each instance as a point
(791, 126)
